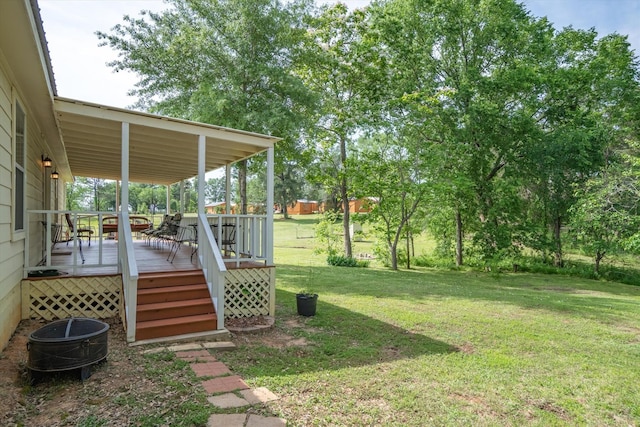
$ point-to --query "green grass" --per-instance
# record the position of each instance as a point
(431, 347)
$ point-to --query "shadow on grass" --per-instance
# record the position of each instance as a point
(335, 338)
(548, 292)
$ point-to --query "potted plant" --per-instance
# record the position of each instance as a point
(306, 303)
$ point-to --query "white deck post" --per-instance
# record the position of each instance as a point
(270, 190)
(168, 209)
(202, 152)
(124, 199)
(227, 189)
(130, 272)
(182, 196)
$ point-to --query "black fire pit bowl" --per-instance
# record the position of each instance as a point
(67, 344)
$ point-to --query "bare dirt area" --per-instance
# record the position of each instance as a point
(128, 389)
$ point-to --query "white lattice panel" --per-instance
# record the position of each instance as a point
(249, 292)
(60, 298)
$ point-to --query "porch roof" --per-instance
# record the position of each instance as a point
(162, 150)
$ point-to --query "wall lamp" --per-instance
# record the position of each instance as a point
(55, 174)
(46, 161)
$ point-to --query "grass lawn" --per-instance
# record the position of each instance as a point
(427, 347)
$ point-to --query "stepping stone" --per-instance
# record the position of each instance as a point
(154, 350)
(219, 345)
(226, 420)
(258, 395)
(224, 384)
(184, 347)
(260, 421)
(210, 369)
(227, 400)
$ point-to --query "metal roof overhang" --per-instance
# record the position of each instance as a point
(162, 150)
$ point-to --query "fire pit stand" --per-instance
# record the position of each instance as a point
(67, 344)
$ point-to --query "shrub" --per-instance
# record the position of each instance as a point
(343, 261)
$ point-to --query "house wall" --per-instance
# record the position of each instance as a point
(12, 246)
(303, 208)
(360, 205)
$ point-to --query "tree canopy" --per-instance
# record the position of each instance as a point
(476, 104)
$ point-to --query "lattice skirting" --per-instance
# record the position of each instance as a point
(249, 292)
(60, 298)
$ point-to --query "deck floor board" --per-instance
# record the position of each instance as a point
(149, 258)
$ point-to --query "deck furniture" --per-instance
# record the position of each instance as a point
(138, 224)
(184, 235)
(77, 233)
(227, 238)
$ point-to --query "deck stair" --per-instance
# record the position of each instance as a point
(173, 303)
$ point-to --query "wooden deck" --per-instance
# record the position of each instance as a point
(149, 258)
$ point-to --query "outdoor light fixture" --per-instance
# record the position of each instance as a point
(55, 174)
(46, 161)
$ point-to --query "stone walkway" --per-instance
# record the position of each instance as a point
(225, 389)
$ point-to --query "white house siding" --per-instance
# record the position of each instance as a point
(12, 250)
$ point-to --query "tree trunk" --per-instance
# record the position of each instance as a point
(242, 184)
(599, 256)
(557, 256)
(345, 198)
(393, 252)
(408, 247)
(345, 221)
(458, 238)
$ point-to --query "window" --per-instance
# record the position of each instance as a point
(19, 161)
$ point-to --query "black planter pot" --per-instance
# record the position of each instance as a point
(306, 304)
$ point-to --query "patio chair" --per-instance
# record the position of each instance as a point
(169, 231)
(78, 234)
(228, 236)
(148, 233)
(185, 234)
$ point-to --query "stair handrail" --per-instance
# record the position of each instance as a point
(129, 269)
(212, 265)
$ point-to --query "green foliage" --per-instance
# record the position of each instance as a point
(478, 118)
(343, 261)
(327, 234)
(606, 217)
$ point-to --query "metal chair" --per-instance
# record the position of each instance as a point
(227, 238)
(185, 234)
(77, 233)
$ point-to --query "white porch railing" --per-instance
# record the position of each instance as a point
(213, 266)
(129, 269)
(249, 240)
(55, 231)
(249, 243)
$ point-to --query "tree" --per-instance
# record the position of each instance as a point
(515, 112)
(585, 87)
(606, 217)
(225, 62)
(337, 68)
(288, 186)
(215, 190)
(463, 79)
(394, 172)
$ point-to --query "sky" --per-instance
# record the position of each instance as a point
(80, 69)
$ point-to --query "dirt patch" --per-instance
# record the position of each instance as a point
(249, 325)
(274, 339)
(121, 390)
(466, 348)
(554, 409)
